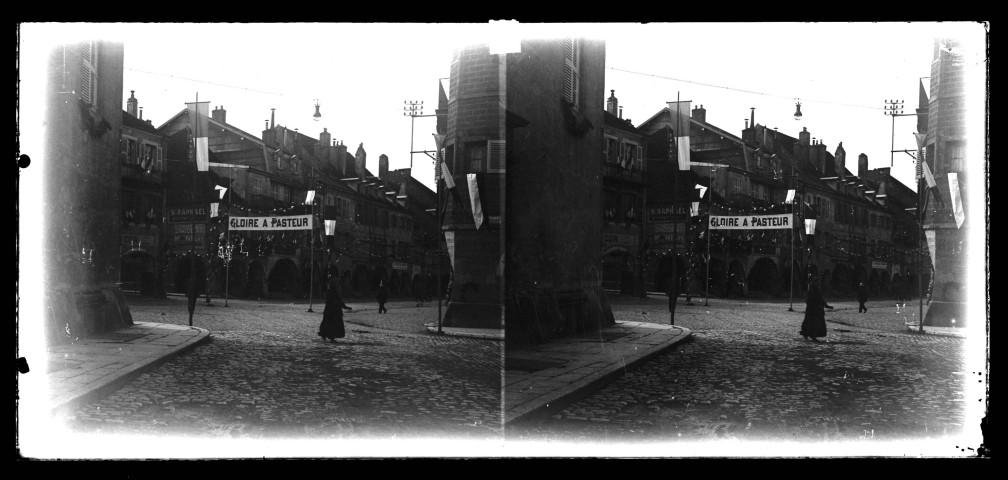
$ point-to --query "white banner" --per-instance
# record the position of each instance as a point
(474, 198)
(957, 209)
(930, 234)
(294, 222)
(450, 243)
(755, 222)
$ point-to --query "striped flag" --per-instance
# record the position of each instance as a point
(450, 182)
(199, 114)
(928, 175)
(957, 207)
(680, 114)
(474, 197)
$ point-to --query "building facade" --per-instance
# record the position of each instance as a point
(142, 202)
(623, 214)
(81, 165)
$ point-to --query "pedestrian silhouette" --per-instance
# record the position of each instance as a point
(191, 279)
(332, 326)
(862, 297)
(382, 297)
(814, 324)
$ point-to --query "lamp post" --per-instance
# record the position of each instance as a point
(710, 204)
(330, 231)
(439, 143)
(227, 261)
(310, 200)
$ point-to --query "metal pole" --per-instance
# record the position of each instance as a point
(440, 253)
(710, 205)
(311, 274)
(793, 198)
(920, 279)
(227, 243)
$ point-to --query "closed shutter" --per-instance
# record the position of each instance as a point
(496, 158)
(572, 65)
(89, 72)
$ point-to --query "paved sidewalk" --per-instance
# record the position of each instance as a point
(544, 378)
(91, 367)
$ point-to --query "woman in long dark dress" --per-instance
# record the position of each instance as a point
(814, 325)
(332, 317)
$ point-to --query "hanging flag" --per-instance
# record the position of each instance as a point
(694, 209)
(199, 113)
(450, 182)
(921, 140)
(930, 234)
(702, 188)
(308, 198)
(790, 196)
(680, 116)
(928, 175)
(477, 208)
(450, 244)
(213, 209)
(810, 226)
(957, 208)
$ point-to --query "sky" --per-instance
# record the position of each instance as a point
(361, 74)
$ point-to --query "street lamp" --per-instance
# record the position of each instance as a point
(317, 116)
(810, 224)
(310, 200)
(439, 143)
(797, 113)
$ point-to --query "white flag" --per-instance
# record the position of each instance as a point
(475, 199)
(790, 196)
(213, 209)
(957, 208)
(683, 152)
(694, 209)
(309, 197)
(930, 234)
(810, 226)
(702, 188)
(928, 175)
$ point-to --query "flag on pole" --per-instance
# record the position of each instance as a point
(450, 182)
(928, 175)
(309, 197)
(199, 114)
(810, 226)
(213, 209)
(680, 115)
(921, 140)
(702, 188)
(930, 234)
(694, 209)
(957, 208)
(790, 196)
(477, 208)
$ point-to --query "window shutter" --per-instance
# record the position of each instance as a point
(572, 53)
(89, 72)
(496, 156)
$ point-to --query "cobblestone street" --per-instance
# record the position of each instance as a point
(747, 374)
(266, 374)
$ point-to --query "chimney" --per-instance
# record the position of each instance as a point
(325, 137)
(862, 166)
(219, 114)
(747, 124)
(700, 113)
(612, 103)
(752, 116)
(620, 112)
(360, 161)
(840, 160)
(141, 114)
(382, 166)
(803, 137)
(131, 104)
(341, 160)
(272, 117)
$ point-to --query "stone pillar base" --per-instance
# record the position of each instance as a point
(473, 315)
(945, 314)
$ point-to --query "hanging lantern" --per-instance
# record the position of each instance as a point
(797, 113)
(317, 116)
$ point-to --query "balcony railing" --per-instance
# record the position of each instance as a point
(612, 170)
(132, 170)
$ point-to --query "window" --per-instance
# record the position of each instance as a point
(131, 151)
(496, 159)
(572, 67)
(89, 72)
(477, 157)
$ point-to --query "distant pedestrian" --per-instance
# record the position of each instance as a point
(673, 289)
(382, 297)
(814, 325)
(332, 327)
(862, 297)
(191, 279)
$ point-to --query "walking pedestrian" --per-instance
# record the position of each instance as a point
(673, 289)
(382, 297)
(814, 325)
(332, 327)
(862, 297)
(191, 280)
